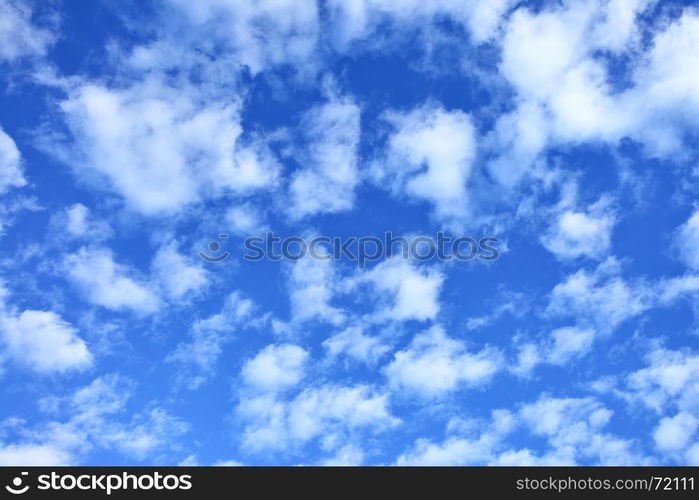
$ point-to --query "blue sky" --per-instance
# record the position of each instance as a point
(134, 133)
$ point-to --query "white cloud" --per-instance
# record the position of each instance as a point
(21, 38)
(312, 284)
(405, 290)
(599, 299)
(331, 413)
(245, 220)
(328, 176)
(199, 354)
(578, 233)
(353, 343)
(572, 429)
(347, 455)
(106, 283)
(94, 417)
(669, 385)
(687, 239)
(28, 454)
(78, 222)
(44, 342)
(570, 342)
(664, 102)
(562, 346)
(275, 368)
(673, 434)
(10, 160)
(180, 277)
(359, 20)
(555, 59)
(160, 147)
(671, 380)
(434, 365)
(260, 35)
(429, 156)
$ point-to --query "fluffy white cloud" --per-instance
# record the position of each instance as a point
(245, 220)
(328, 176)
(346, 456)
(555, 59)
(312, 284)
(569, 342)
(260, 35)
(78, 222)
(404, 290)
(664, 102)
(358, 20)
(180, 277)
(44, 342)
(10, 162)
(560, 347)
(330, 412)
(28, 454)
(198, 355)
(434, 365)
(599, 299)
(687, 240)
(353, 343)
(93, 416)
(21, 38)
(160, 147)
(429, 156)
(572, 428)
(668, 385)
(674, 433)
(671, 380)
(275, 368)
(581, 233)
(106, 283)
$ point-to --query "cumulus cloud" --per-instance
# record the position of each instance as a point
(328, 176)
(355, 344)
(581, 233)
(259, 35)
(358, 21)
(245, 220)
(572, 428)
(404, 290)
(106, 283)
(668, 385)
(674, 433)
(179, 276)
(276, 367)
(10, 164)
(159, 147)
(198, 355)
(21, 37)
(80, 223)
(44, 342)
(94, 416)
(687, 240)
(557, 60)
(312, 284)
(331, 413)
(434, 365)
(601, 299)
(429, 156)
